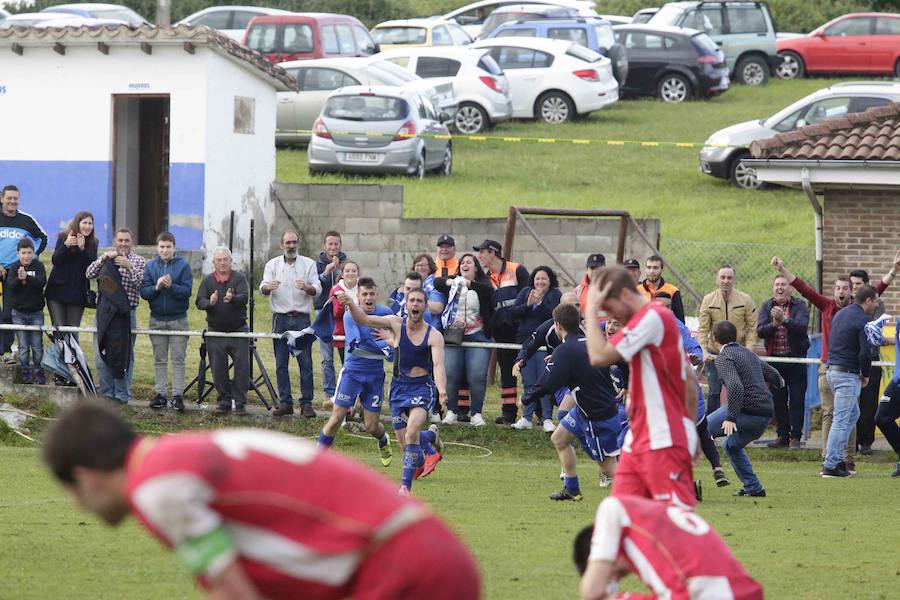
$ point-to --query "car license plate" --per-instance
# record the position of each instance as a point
(361, 157)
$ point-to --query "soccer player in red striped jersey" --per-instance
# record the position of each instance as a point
(674, 551)
(256, 514)
(657, 455)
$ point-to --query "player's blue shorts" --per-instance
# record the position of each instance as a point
(598, 438)
(623, 424)
(368, 387)
(408, 393)
(559, 394)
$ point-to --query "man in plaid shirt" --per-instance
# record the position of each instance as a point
(131, 268)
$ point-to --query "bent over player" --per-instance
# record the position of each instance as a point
(257, 514)
(418, 356)
(674, 551)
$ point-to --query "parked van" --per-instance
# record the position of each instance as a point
(308, 35)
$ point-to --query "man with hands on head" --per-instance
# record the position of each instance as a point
(418, 370)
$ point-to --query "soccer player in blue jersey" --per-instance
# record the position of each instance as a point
(418, 371)
(363, 374)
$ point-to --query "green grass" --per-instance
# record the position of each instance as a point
(810, 539)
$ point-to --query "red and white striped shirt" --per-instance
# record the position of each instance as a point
(657, 415)
(297, 520)
(674, 551)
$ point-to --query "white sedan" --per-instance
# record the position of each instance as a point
(553, 80)
(479, 83)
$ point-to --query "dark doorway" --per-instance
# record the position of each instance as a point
(141, 165)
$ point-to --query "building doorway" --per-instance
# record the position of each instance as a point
(141, 165)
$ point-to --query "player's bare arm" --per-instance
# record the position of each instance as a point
(436, 342)
(391, 322)
(596, 580)
(690, 394)
(600, 351)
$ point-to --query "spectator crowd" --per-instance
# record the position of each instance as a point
(472, 298)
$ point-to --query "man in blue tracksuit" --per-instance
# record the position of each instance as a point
(167, 287)
(14, 226)
(594, 420)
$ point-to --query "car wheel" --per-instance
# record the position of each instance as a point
(471, 119)
(446, 168)
(791, 67)
(555, 108)
(743, 176)
(418, 171)
(752, 70)
(674, 88)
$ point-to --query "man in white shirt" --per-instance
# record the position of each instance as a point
(291, 282)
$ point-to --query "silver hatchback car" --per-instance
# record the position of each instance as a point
(380, 129)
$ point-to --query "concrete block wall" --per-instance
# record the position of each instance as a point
(862, 231)
(375, 234)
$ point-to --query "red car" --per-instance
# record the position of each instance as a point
(854, 43)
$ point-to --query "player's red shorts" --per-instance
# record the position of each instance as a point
(665, 475)
(426, 560)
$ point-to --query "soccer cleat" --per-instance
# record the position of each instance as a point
(158, 402)
(838, 472)
(565, 494)
(896, 472)
(605, 480)
(178, 403)
(431, 462)
(745, 494)
(698, 490)
(720, 477)
(548, 426)
(438, 442)
(477, 420)
(387, 454)
(522, 424)
(450, 419)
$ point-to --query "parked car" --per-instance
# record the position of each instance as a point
(412, 33)
(481, 86)
(441, 93)
(472, 16)
(591, 32)
(553, 80)
(643, 15)
(32, 19)
(101, 11)
(316, 79)
(229, 20)
(296, 36)
(380, 130)
(854, 43)
(524, 12)
(744, 30)
(673, 63)
(721, 156)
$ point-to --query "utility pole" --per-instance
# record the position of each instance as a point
(163, 15)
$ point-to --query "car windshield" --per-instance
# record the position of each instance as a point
(366, 108)
(582, 53)
(667, 15)
(399, 35)
(395, 70)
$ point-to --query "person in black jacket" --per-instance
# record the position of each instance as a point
(594, 420)
(533, 306)
(783, 320)
(24, 285)
(67, 286)
(223, 294)
(328, 266)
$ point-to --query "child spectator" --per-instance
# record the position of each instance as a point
(25, 281)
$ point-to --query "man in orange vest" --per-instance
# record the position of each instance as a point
(594, 263)
(445, 257)
(653, 282)
(507, 278)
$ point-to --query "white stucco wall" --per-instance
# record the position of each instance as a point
(240, 166)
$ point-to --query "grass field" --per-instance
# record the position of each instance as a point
(810, 539)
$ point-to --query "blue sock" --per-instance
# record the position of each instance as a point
(410, 463)
(426, 440)
(325, 441)
(572, 484)
(561, 414)
(383, 441)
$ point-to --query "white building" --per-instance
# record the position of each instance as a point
(149, 128)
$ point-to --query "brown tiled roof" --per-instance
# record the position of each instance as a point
(123, 34)
(870, 135)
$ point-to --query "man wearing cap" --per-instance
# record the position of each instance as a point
(633, 266)
(507, 278)
(445, 258)
(594, 263)
(653, 283)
